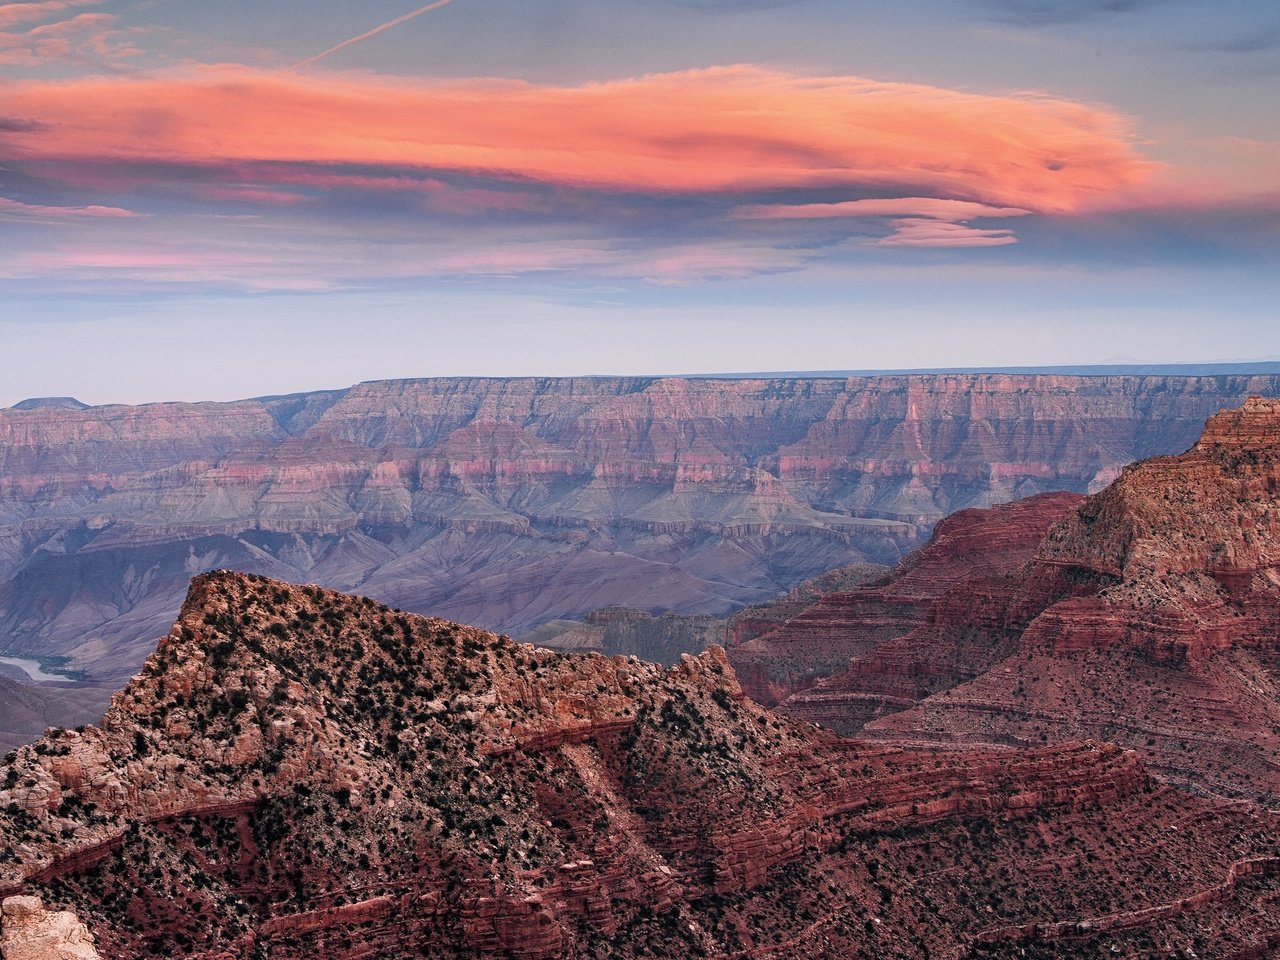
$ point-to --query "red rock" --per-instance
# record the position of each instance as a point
(414, 787)
(821, 639)
(1148, 616)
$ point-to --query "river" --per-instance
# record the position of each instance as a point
(34, 670)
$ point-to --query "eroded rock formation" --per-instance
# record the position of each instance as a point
(512, 502)
(297, 773)
(1149, 615)
(818, 639)
(30, 932)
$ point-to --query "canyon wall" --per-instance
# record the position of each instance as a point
(509, 503)
(1147, 614)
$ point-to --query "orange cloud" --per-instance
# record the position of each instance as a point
(727, 129)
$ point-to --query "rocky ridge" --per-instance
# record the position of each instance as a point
(1148, 615)
(802, 644)
(296, 772)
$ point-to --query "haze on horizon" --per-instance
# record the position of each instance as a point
(210, 201)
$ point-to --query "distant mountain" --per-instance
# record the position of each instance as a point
(27, 710)
(50, 403)
(1225, 368)
(510, 503)
(298, 774)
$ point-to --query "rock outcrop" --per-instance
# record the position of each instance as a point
(298, 773)
(30, 932)
(513, 502)
(818, 639)
(1149, 615)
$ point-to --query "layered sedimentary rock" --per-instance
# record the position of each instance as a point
(513, 502)
(1149, 615)
(818, 639)
(297, 773)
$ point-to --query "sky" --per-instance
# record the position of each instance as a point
(216, 200)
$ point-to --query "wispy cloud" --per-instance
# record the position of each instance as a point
(12, 209)
(28, 37)
(1044, 12)
(373, 33)
(927, 232)
(933, 207)
(13, 14)
(911, 221)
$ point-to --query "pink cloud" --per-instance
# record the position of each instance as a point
(80, 36)
(726, 130)
(933, 207)
(13, 14)
(925, 232)
(16, 208)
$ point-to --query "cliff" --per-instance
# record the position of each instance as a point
(818, 639)
(298, 773)
(1148, 615)
(509, 503)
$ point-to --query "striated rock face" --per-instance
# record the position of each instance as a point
(818, 639)
(30, 932)
(1149, 615)
(297, 773)
(513, 502)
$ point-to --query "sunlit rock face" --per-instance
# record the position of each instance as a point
(508, 503)
(30, 932)
(298, 773)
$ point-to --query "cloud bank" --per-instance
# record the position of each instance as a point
(724, 130)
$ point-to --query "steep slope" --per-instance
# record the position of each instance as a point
(813, 640)
(1149, 615)
(297, 773)
(513, 502)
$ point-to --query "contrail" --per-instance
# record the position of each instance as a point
(373, 33)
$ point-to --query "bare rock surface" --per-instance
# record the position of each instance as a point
(1148, 615)
(30, 932)
(799, 644)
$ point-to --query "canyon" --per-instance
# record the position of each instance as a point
(296, 773)
(511, 503)
(1049, 732)
(1146, 614)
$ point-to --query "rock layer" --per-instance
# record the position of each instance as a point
(819, 639)
(1148, 615)
(512, 502)
(297, 773)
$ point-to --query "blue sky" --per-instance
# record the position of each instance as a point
(564, 187)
